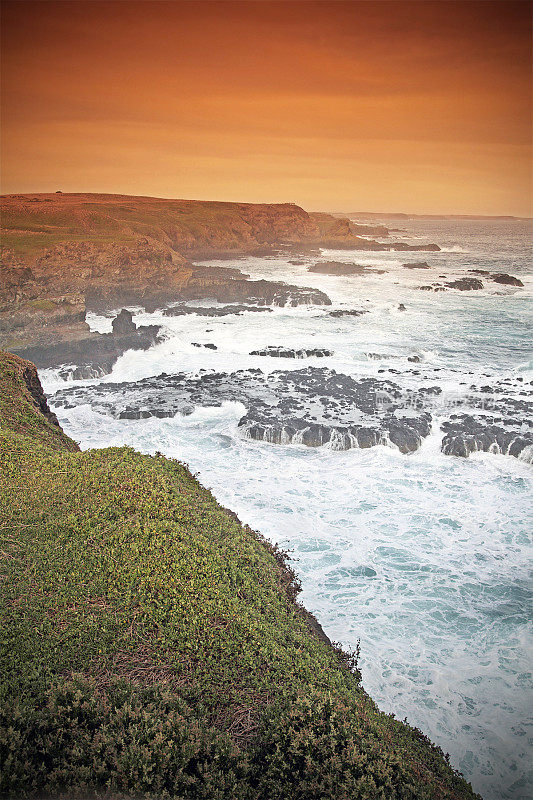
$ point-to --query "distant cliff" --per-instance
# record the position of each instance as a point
(64, 254)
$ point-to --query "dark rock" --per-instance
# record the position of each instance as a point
(311, 406)
(209, 345)
(414, 359)
(402, 246)
(88, 372)
(401, 307)
(98, 351)
(465, 284)
(339, 268)
(347, 312)
(285, 352)
(261, 292)
(509, 280)
(123, 323)
(417, 265)
(491, 421)
(182, 310)
(33, 384)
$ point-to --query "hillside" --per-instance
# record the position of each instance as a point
(152, 646)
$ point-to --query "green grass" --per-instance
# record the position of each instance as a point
(25, 243)
(19, 413)
(152, 647)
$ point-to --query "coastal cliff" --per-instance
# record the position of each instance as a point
(66, 254)
(152, 645)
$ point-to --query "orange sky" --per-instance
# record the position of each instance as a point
(402, 106)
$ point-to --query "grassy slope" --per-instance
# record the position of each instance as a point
(151, 645)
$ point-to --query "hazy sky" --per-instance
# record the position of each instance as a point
(402, 106)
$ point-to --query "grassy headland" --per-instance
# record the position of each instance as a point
(152, 645)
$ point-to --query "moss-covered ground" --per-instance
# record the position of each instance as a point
(151, 645)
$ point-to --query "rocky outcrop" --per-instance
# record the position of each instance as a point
(257, 293)
(347, 312)
(311, 406)
(498, 277)
(417, 265)
(507, 280)
(287, 352)
(339, 268)
(95, 354)
(209, 345)
(123, 323)
(404, 247)
(496, 418)
(467, 434)
(215, 311)
(465, 284)
(339, 233)
(461, 284)
(35, 390)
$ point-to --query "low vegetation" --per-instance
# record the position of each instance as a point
(152, 646)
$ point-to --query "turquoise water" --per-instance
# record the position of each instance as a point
(425, 558)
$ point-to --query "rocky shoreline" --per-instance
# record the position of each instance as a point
(316, 406)
(67, 254)
(146, 261)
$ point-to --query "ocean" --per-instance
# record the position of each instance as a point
(423, 557)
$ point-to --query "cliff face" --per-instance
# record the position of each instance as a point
(337, 232)
(24, 407)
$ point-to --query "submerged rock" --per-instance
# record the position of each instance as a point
(417, 265)
(286, 352)
(465, 284)
(347, 312)
(201, 311)
(340, 268)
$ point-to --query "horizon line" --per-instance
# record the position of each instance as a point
(402, 214)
